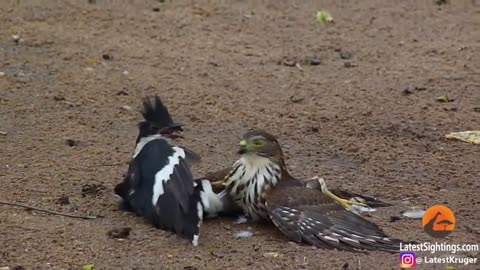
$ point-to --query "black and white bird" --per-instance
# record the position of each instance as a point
(159, 184)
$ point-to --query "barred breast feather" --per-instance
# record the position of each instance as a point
(248, 181)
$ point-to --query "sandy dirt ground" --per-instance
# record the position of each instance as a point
(362, 114)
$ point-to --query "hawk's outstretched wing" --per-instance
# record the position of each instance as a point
(305, 214)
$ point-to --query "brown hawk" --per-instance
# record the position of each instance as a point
(261, 186)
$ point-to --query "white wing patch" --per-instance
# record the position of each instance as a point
(162, 176)
(211, 201)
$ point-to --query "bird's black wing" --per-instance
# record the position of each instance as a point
(160, 187)
(169, 171)
(305, 214)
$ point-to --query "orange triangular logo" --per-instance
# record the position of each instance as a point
(438, 221)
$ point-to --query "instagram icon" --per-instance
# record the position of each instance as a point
(408, 260)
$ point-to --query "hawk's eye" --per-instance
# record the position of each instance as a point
(258, 142)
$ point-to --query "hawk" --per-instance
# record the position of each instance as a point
(357, 203)
(260, 184)
(159, 184)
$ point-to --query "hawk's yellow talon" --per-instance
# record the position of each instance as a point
(217, 184)
(344, 203)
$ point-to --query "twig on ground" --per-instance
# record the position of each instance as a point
(108, 164)
(23, 228)
(47, 211)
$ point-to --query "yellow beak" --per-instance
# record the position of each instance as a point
(244, 147)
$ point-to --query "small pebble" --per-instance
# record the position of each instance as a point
(413, 213)
(289, 62)
(407, 91)
(312, 61)
(64, 200)
(271, 254)
(345, 55)
(394, 218)
(92, 189)
(122, 93)
(243, 235)
(16, 38)
(2, 74)
(58, 98)
(296, 98)
(440, 2)
(126, 108)
(71, 142)
(119, 233)
(107, 56)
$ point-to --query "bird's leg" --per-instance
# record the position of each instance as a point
(343, 202)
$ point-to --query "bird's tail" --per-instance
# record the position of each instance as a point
(204, 203)
(186, 222)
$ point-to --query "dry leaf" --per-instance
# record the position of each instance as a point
(465, 136)
(88, 267)
(443, 99)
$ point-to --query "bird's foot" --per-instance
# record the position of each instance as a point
(343, 202)
(241, 220)
(362, 211)
(217, 185)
